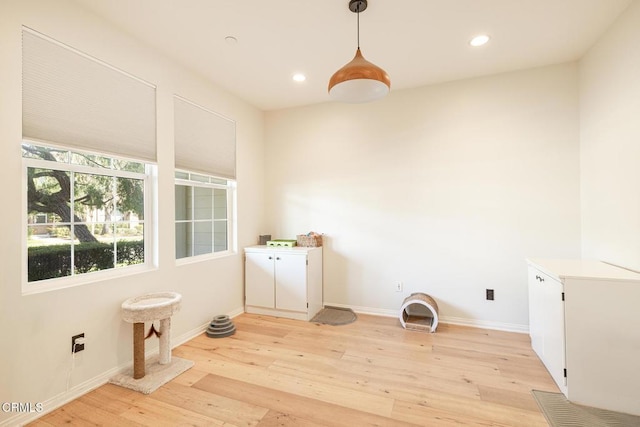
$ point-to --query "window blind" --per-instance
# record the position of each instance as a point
(204, 141)
(75, 100)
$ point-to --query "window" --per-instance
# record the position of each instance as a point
(205, 161)
(85, 213)
(204, 212)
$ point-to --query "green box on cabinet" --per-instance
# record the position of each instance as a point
(282, 242)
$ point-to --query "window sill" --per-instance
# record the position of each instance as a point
(41, 286)
(205, 257)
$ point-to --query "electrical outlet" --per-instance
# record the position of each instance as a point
(489, 294)
(398, 286)
(76, 346)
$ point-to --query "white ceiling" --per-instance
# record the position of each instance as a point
(418, 42)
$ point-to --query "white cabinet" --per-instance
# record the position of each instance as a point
(285, 282)
(585, 328)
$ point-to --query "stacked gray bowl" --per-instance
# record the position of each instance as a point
(220, 327)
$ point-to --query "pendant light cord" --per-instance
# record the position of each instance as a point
(358, 26)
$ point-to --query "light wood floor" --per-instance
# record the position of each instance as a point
(280, 372)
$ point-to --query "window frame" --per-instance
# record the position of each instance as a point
(149, 178)
(230, 187)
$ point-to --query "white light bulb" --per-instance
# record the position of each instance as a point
(479, 40)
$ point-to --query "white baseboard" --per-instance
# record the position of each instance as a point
(483, 324)
(366, 310)
(76, 391)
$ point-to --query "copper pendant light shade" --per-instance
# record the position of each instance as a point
(359, 80)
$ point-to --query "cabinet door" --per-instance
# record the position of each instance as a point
(259, 280)
(291, 282)
(546, 323)
(553, 332)
(536, 312)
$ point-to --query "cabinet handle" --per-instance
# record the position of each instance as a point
(270, 257)
(277, 258)
(541, 279)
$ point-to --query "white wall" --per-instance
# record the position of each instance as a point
(446, 188)
(610, 144)
(36, 330)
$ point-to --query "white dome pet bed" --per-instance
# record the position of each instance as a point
(419, 312)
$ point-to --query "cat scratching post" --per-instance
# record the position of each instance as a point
(138, 350)
(149, 308)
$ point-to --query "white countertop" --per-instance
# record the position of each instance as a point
(265, 248)
(581, 268)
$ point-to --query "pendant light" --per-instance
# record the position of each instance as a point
(359, 80)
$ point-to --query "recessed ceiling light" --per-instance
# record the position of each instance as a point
(479, 40)
(231, 40)
(299, 77)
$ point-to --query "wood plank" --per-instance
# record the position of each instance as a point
(531, 371)
(152, 412)
(393, 383)
(263, 355)
(307, 387)
(431, 364)
(330, 349)
(80, 413)
(112, 398)
(486, 411)
(484, 354)
(213, 406)
(278, 419)
(425, 416)
(522, 400)
(250, 355)
(190, 377)
(293, 404)
(278, 332)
